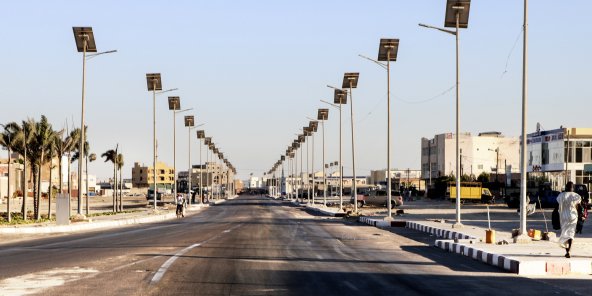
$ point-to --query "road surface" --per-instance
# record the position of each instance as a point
(255, 246)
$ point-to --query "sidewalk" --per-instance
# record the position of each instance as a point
(535, 258)
(147, 215)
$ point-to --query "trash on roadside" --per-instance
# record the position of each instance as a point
(535, 234)
(503, 242)
(489, 233)
(515, 232)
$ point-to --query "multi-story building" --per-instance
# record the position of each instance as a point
(143, 176)
(210, 174)
(406, 178)
(489, 152)
(561, 155)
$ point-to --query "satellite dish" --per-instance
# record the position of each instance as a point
(538, 127)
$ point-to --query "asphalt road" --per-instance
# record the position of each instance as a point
(255, 246)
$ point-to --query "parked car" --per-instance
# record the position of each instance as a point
(379, 198)
(546, 198)
(150, 195)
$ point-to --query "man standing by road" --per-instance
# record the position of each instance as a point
(180, 205)
(568, 202)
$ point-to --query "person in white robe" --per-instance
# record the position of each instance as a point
(568, 215)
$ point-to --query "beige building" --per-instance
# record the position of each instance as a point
(488, 152)
(211, 173)
(405, 178)
(143, 176)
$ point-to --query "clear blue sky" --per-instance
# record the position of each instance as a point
(254, 70)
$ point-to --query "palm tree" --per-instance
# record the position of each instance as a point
(9, 138)
(119, 162)
(77, 157)
(111, 155)
(50, 187)
(25, 134)
(74, 138)
(62, 146)
(92, 157)
(39, 148)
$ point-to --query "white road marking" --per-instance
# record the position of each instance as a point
(164, 268)
(351, 286)
(33, 283)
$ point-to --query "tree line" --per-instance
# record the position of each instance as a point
(37, 144)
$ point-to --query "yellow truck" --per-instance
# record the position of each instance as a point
(471, 191)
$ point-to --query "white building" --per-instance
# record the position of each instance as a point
(561, 155)
(488, 152)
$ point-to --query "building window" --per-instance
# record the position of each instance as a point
(583, 177)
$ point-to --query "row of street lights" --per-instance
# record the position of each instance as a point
(154, 83)
(457, 15)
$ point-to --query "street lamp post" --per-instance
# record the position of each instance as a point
(200, 135)
(457, 16)
(154, 83)
(322, 115)
(189, 123)
(306, 132)
(339, 98)
(387, 52)
(350, 80)
(301, 139)
(313, 127)
(208, 141)
(174, 105)
(85, 42)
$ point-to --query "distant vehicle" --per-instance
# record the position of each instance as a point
(379, 198)
(472, 191)
(150, 195)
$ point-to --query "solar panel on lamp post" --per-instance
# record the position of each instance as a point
(313, 126)
(322, 115)
(282, 179)
(350, 80)
(387, 52)
(457, 16)
(174, 105)
(306, 132)
(207, 142)
(189, 123)
(85, 42)
(154, 83)
(200, 135)
(339, 98)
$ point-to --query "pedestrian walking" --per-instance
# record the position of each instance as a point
(568, 214)
(180, 205)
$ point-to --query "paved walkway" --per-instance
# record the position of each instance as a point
(533, 258)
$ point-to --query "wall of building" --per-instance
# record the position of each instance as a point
(143, 176)
(478, 154)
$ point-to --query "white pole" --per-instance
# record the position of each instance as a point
(458, 223)
(523, 151)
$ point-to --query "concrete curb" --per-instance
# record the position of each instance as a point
(323, 211)
(85, 226)
(381, 222)
(500, 261)
(521, 267)
(448, 234)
